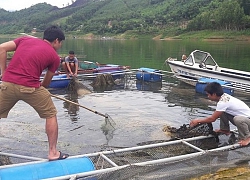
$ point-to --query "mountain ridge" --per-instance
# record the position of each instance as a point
(116, 17)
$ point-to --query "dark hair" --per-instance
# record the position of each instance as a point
(214, 87)
(52, 33)
(71, 52)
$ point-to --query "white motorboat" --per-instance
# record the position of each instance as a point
(200, 64)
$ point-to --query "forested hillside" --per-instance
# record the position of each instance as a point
(111, 17)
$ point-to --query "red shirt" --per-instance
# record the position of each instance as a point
(32, 56)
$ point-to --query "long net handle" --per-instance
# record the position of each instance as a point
(58, 97)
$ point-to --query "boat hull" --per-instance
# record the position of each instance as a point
(59, 81)
(117, 71)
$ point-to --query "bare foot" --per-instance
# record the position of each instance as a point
(226, 132)
(244, 142)
(54, 155)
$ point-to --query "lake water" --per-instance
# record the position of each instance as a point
(153, 53)
(138, 111)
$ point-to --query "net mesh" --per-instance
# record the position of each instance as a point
(185, 131)
(186, 168)
(192, 164)
(189, 167)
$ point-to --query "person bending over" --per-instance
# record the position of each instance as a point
(70, 64)
(228, 109)
(21, 79)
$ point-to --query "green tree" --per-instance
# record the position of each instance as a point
(226, 15)
(229, 16)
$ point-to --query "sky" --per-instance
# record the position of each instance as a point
(15, 5)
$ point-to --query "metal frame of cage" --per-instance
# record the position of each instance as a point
(114, 167)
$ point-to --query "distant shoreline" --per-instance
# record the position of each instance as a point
(212, 36)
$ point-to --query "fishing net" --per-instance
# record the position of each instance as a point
(109, 120)
(174, 159)
(185, 131)
(207, 164)
(103, 82)
(189, 164)
(77, 87)
(4, 160)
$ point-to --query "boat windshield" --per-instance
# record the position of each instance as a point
(210, 61)
(189, 61)
(199, 56)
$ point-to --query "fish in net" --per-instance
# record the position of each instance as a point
(186, 131)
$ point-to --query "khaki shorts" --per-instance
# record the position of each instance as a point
(38, 98)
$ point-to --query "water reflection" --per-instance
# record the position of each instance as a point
(148, 86)
(70, 95)
(184, 95)
(72, 109)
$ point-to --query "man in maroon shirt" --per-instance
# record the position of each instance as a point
(21, 79)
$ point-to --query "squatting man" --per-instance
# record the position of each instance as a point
(228, 109)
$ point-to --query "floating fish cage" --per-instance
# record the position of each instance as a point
(148, 86)
(148, 74)
(147, 159)
(202, 82)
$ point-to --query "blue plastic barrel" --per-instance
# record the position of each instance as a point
(48, 169)
(202, 82)
(59, 81)
(148, 74)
